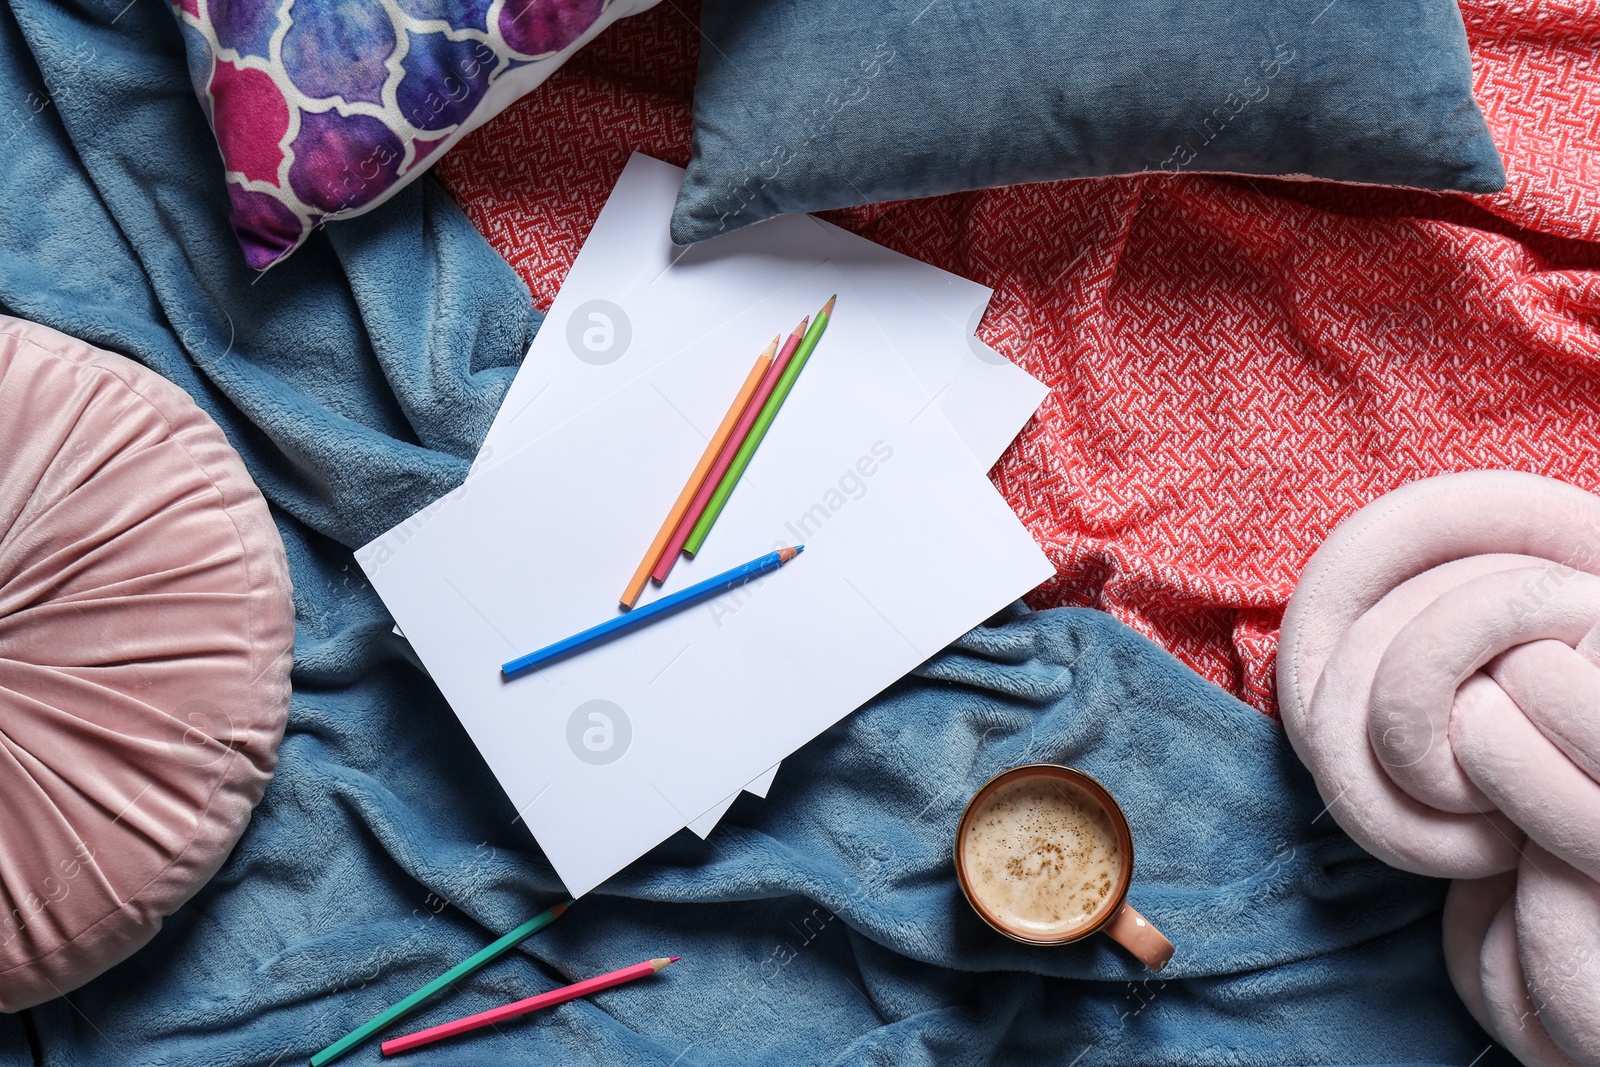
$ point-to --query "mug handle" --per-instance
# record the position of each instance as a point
(1133, 932)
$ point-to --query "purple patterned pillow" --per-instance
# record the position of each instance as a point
(325, 108)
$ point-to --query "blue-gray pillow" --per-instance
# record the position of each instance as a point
(804, 105)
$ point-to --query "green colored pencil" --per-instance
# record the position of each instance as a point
(467, 966)
(769, 411)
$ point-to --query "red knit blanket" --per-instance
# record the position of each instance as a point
(1235, 364)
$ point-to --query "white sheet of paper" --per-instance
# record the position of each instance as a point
(861, 467)
(638, 299)
(706, 823)
(667, 293)
(985, 397)
(760, 786)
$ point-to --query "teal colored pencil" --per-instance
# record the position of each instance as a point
(741, 460)
(467, 966)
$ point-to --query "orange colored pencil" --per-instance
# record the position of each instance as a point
(630, 595)
(730, 449)
(523, 1007)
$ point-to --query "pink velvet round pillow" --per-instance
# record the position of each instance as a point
(146, 632)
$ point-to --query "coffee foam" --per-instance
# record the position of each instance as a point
(1042, 855)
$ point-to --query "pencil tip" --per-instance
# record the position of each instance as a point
(827, 309)
(799, 331)
(661, 961)
(558, 910)
(786, 554)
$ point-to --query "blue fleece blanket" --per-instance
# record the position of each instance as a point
(823, 925)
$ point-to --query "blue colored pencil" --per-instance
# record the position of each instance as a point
(657, 609)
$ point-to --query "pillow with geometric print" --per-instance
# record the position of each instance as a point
(323, 109)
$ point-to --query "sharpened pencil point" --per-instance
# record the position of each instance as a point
(800, 330)
(827, 309)
(662, 961)
(786, 554)
(559, 910)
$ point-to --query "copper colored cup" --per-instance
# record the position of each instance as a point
(1117, 919)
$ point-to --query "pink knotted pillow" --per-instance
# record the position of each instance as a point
(1439, 673)
(146, 632)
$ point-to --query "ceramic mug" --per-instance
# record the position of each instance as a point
(1012, 838)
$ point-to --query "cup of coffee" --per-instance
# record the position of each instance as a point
(1044, 855)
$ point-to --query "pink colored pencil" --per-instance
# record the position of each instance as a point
(523, 1007)
(729, 450)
